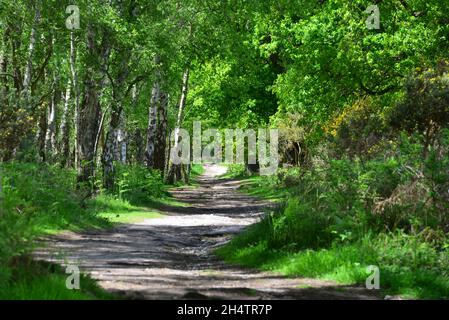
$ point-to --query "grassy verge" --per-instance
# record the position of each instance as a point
(255, 185)
(121, 211)
(35, 280)
(196, 171)
(39, 200)
(297, 240)
(263, 187)
(346, 264)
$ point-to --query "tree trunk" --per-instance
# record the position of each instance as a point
(110, 151)
(50, 136)
(139, 145)
(4, 69)
(115, 145)
(26, 86)
(152, 122)
(167, 153)
(77, 96)
(161, 136)
(87, 132)
(40, 137)
(64, 129)
(175, 171)
(122, 140)
(90, 110)
(4, 101)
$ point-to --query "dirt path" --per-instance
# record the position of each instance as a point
(171, 257)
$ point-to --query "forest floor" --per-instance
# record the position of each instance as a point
(172, 257)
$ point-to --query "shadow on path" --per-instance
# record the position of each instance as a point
(171, 257)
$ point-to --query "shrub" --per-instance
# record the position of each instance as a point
(425, 106)
(236, 171)
(295, 227)
(412, 252)
(137, 184)
(342, 200)
(37, 198)
(358, 129)
(292, 138)
(289, 177)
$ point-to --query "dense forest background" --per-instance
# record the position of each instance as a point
(87, 112)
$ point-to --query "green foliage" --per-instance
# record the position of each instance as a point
(358, 130)
(341, 215)
(235, 171)
(408, 266)
(43, 281)
(40, 198)
(298, 229)
(42, 193)
(381, 194)
(292, 138)
(332, 59)
(197, 170)
(37, 198)
(138, 185)
(425, 107)
(342, 95)
(289, 177)
(265, 187)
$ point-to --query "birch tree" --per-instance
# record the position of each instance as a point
(175, 171)
(90, 110)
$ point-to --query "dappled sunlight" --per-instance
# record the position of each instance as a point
(172, 257)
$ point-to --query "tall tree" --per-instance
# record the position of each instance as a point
(175, 172)
(98, 50)
(152, 115)
(65, 127)
(112, 149)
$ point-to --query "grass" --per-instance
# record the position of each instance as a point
(41, 200)
(256, 185)
(408, 267)
(346, 264)
(121, 211)
(196, 171)
(235, 171)
(131, 217)
(263, 187)
(103, 212)
(35, 280)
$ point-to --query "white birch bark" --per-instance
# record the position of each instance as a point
(26, 90)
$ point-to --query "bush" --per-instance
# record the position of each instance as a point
(425, 106)
(342, 200)
(39, 192)
(236, 171)
(138, 185)
(38, 198)
(292, 138)
(408, 265)
(358, 130)
(289, 177)
(295, 227)
(412, 252)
